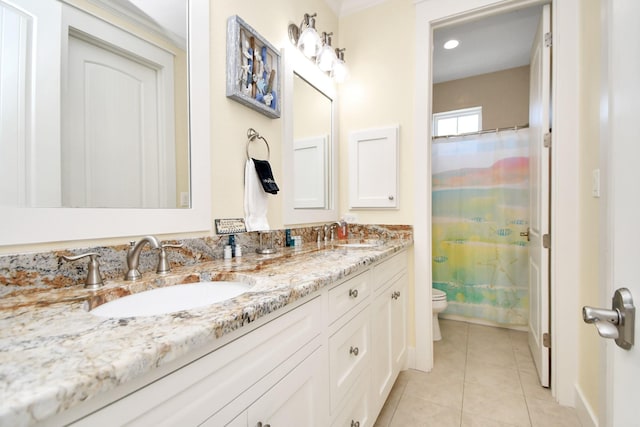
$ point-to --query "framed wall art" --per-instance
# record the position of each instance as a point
(253, 69)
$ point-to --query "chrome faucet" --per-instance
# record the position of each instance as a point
(133, 256)
(330, 228)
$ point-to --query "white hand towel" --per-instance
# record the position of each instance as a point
(255, 200)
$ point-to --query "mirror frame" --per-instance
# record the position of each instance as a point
(295, 62)
(20, 226)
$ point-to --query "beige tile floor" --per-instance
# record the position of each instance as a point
(482, 377)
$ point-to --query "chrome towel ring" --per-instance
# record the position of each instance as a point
(252, 135)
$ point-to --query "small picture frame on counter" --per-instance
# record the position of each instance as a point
(230, 226)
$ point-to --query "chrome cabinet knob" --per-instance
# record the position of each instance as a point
(353, 293)
(354, 351)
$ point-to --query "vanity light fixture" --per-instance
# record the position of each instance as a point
(327, 57)
(451, 44)
(306, 37)
(318, 49)
(340, 71)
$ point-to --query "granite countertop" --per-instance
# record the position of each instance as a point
(54, 354)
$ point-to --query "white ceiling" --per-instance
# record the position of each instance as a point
(347, 7)
(490, 44)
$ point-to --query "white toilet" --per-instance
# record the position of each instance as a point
(438, 304)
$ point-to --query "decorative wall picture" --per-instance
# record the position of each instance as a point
(253, 69)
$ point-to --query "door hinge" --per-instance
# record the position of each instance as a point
(548, 39)
(547, 140)
(546, 241)
(546, 340)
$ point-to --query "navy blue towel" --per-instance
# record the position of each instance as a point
(263, 168)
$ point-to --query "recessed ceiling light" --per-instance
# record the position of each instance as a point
(451, 44)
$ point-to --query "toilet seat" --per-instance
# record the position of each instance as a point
(438, 295)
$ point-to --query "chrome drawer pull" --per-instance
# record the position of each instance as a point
(355, 423)
(354, 351)
(353, 293)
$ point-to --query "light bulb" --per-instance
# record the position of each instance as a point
(309, 42)
(451, 44)
(326, 58)
(340, 71)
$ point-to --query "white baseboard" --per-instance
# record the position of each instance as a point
(584, 410)
(411, 358)
(482, 322)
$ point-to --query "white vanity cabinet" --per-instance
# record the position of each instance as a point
(388, 314)
(328, 361)
(226, 382)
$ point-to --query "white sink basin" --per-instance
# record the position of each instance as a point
(171, 299)
(361, 244)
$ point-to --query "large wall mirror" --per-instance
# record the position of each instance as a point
(309, 146)
(99, 134)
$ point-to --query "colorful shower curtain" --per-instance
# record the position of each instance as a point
(480, 205)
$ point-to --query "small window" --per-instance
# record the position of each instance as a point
(457, 121)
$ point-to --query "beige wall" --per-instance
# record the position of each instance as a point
(380, 93)
(230, 120)
(588, 340)
(503, 96)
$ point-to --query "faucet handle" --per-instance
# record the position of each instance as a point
(164, 266)
(94, 279)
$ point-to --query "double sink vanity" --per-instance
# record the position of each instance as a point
(312, 335)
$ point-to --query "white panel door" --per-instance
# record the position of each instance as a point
(623, 229)
(373, 168)
(112, 159)
(539, 198)
(118, 146)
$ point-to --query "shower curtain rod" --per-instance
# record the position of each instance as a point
(480, 132)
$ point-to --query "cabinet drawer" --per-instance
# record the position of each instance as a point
(349, 354)
(357, 410)
(388, 269)
(348, 295)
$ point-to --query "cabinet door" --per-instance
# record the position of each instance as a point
(373, 168)
(295, 400)
(399, 323)
(381, 315)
